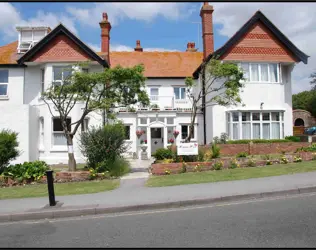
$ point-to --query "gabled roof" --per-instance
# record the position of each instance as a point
(162, 64)
(258, 16)
(61, 29)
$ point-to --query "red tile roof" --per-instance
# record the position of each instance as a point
(156, 64)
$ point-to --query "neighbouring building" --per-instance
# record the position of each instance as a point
(39, 56)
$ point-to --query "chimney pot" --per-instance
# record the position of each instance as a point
(191, 47)
(138, 47)
(205, 3)
(105, 16)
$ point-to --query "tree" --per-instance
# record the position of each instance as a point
(95, 91)
(305, 100)
(222, 82)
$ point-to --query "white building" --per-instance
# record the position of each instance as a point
(30, 64)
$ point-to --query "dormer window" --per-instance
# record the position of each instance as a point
(29, 36)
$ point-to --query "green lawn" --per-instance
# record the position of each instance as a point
(231, 174)
(39, 190)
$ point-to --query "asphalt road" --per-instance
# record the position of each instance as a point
(284, 222)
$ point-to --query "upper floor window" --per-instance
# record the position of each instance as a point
(261, 72)
(4, 80)
(179, 92)
(61, 74)
(154, 93)
(42, 80)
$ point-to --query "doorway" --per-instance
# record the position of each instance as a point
(156, 139)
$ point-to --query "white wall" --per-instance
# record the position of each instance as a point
(15, 88)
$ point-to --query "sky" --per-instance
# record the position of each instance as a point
(165, 26)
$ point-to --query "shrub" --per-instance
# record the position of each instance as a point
(311, 148)
(167, 161)
(242, 155)
(202, 152)
(207, 155)
(218, 165)
(184, 167)
(221, 140)
(198, 168)
(8, 148)
(215, 150)
(167, 171)
(293, 138)
(102, 144)
(284, 160)
(257, 141)
(234, 164)
(266, 157)
(163, 153)
(251, 163)
(268, 162)
(190, 158)
(28, 171)
(297, 159)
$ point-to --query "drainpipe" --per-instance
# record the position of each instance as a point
(203, 104)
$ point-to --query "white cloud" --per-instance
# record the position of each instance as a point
(137, 11)
(295, 20)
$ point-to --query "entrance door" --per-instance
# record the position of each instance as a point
(156, 139)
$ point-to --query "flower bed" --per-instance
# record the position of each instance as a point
(227, 162)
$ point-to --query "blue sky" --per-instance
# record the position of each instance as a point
(166, 26)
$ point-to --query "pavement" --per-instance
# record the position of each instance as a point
(132, 195)
(287, 222)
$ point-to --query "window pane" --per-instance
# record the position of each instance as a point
(184, 131)
(182, 93)
(4, 76)
(154, 91)
(161, 119)
(264, 72)
(38, 34)
(246, 132)
(235, 116)
(26, 36)
(255, 72)
(235, 131)
(245, 116)
(273, 72)
(57, 73)
(3, 89)
(152, 119)
(266, 116)
(57, 127)
(282, 130)
(176, 92)
(170, 120)
(245, 68)
(275, 116)
(59, 139)
(256, 130)
(85, 70)
(143, 120)
(256, 116)
(266, 131)
(275, 130)
(127, 132)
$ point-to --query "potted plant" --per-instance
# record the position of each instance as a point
(143, 147)
(139, 133)
(171, 140)
(175, 133)
(131, 109)
(155, 107)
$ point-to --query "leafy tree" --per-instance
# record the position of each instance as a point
(95, 91)
(305, 100)
(222, 85)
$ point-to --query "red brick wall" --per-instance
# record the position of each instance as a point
(61, 49)
(262, 148)
(259, 44)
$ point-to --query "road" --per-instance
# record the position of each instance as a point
(282, 222)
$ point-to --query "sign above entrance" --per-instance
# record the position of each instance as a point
(187, 149)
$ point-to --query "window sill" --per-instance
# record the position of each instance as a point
(4, 97)
(59, 149)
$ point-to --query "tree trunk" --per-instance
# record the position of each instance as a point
(191, 127)
(71, 157)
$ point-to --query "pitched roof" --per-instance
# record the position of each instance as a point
(8, 53)
(159, 64)
(258, 16)
(61, 29)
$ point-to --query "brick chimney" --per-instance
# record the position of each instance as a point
(206, 14)
(191, 47)
(138, 47)
(105, 36)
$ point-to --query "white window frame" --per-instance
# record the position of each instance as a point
(41, 134)
(5, 84)
(250, 80)
(194, 134)
(61, 82)
(180, 95)
(129, 126)
(260, 121)
(42, 80)
(84, 125)
(58, 132)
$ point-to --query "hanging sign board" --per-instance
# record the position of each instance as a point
(188, 149)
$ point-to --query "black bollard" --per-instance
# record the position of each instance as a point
(50, 185)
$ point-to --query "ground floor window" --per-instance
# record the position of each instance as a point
(127, 132)
(59, 138)
(255, 125)
(84, 125)
(185, 132)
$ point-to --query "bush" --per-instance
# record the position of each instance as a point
(218, 165)
(242, 155)
(311, 148)
(8, 148)
(221, 140)
(163, 153)
(251, 163)
(103, 144)
(257, 141)
(293, 138)
(234, 164)
(28, 171)
(215, 150)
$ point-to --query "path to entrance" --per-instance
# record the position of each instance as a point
(139, 174)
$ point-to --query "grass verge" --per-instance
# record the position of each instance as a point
(69, 188)
(231, 174)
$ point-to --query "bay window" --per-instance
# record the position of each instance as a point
(255, 125)
(261, 72)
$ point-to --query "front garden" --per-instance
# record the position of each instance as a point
(278, 157)
(102, 147)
